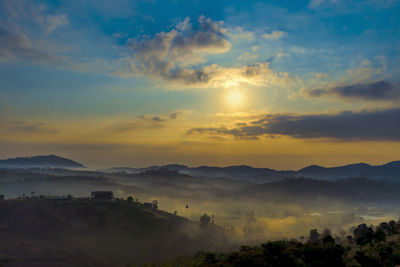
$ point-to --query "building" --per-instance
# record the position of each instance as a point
(148, 205)
(102, 195)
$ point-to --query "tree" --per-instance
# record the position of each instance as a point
(363, 234)
(204, 221)
(155, 204)
(394, 229)
(326, 237)
(379, 235)
(129, 199)
(314, 236)
(349, 239)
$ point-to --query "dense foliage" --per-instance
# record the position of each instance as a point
(370, 246)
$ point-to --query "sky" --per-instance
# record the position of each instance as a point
(279, 84)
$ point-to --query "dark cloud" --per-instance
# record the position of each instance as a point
(375, 91)
(27, 127)
(147, 122)
(167, 52)
(15, 45)
(381, 125)
(174, 115)
(157, 119)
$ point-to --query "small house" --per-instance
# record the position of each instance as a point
(148, 205)
(102, 195)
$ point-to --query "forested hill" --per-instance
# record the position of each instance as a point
(50, 161)
(82, 232)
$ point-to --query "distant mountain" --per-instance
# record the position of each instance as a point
(50, 161)
(389, 171)
(352, 189)
(240, 172)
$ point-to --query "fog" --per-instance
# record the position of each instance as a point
(249, 213)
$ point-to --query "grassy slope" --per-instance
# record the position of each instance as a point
(39, 232)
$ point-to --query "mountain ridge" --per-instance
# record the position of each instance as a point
(389, 170)
(50, 161)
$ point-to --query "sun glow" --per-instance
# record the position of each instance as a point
(235, 97)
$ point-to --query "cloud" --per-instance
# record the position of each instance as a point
(28, 127)
(157, 119)
(180, 46)
(379, 125)
(374, 91)
(15, 45)
(238, 33)
(31, 15)
(147, 122)
(275, 35)
(172, 56)
(55, 21)
(315, 3)
(352, 4)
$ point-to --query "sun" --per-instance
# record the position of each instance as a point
(235, 97)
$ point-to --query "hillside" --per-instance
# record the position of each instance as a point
(44, 232)
(50, 161)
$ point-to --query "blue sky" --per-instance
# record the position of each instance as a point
(68, 68)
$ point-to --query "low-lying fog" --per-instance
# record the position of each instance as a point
(250, 212)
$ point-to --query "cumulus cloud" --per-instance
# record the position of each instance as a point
(381, 125)
(15, 45)
(374, 91)
(275, 35)
(180, 46)
(172, 56)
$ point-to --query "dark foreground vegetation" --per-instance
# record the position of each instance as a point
(42, 231)
(45, 231)
(369, 247)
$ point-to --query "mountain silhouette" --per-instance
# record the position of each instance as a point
(390, 170)
(50, 161)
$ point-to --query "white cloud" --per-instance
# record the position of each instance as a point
(55, 21)
(238, 33)
(275, 35)
(173, 55)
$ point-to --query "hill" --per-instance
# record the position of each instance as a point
(389, 172)
(46, 232)
(50, 161)
(346, 189)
